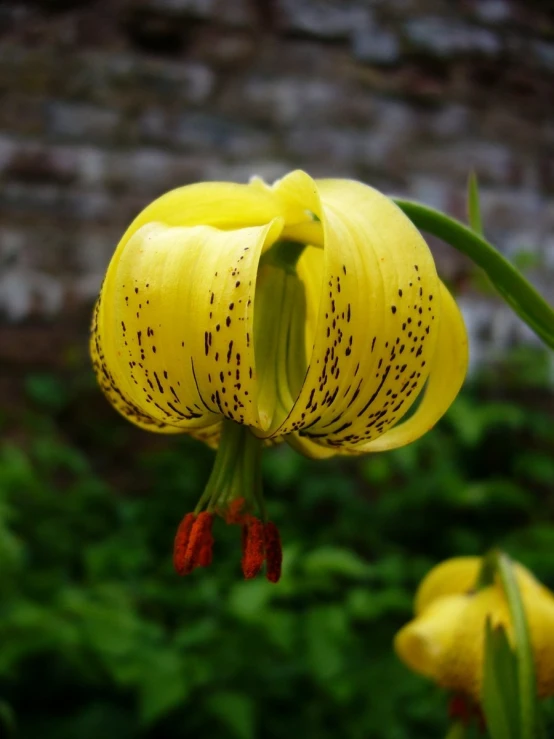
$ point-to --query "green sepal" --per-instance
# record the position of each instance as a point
(520, 295)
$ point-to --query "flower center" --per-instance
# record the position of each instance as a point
(279, 333)
(234, 492)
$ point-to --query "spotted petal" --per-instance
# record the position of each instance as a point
(174, 330)
(448, 369)
(376, 329)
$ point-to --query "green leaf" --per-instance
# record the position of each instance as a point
(48, 391)
(474, 209)
(520, 295)
(326, 635)
(499, 693)
(336, 561)
(7, 720)
(236, 711)
(163, 686)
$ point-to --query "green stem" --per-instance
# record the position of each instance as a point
(511, 285)
(473, 207)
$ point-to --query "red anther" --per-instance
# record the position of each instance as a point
(253, 547)
(273, 552)
(181, 543)
(205, 554)
(234, 513)
(198, 536)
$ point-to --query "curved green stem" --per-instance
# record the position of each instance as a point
(529, 305)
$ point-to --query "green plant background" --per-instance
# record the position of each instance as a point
(99, 638)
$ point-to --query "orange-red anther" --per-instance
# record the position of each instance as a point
(273, 552)
(205, 554)
(181, 543)
(201, 528)
(253, 547)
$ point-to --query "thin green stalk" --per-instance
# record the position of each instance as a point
(529, 305)
(473, 207)
(527, 682)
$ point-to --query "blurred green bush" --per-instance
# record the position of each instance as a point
(99, 638)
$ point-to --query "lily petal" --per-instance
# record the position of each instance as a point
(448, 371)
(223, 205)
(455, 576)
(424, 642)
(376, 328)
(459, 575)
(539, 608)
(120, 400)
(175, 324)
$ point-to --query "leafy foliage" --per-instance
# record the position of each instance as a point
(100, 638)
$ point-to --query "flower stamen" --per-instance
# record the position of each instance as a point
(253, 547)
(205, 554)
(181, 543)
(200, 538)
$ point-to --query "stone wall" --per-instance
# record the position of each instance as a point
(104, 105)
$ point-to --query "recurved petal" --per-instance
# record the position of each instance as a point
(120, 400)
(309, 448)
(461, 665)
(453, 577)
(539, 608)
(376, 328)
(223, 205)
(461, 668)
(296, 194)
(459, 575)
(175, 323)
(446, 641)
(425, 643)
(448, 370)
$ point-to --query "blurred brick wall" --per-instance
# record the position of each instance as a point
(104, 105)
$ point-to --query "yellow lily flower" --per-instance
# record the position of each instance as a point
(445, 641)
(308, 311)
